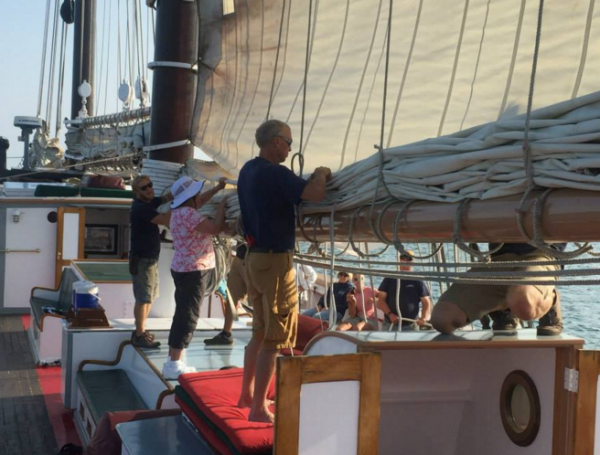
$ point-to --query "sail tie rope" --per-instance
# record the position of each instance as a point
(457, 238)
(536, 240)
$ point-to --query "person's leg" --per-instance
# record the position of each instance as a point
(189, 291)
(140, 312)
(464, 303)
(527, 302)
(144, 283)
(310, 312)
(322, 315)
(255, 299)
(274, 278)
(250, 359)
(344, 326)
(447, 317)
(265, 369)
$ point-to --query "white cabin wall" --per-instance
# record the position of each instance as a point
(23, 271)
(482, 430)
(446, 402)
(333, 430)
(423, 397)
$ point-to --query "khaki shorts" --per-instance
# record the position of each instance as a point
(273, 294)
(236, 281)
(145, 281)
(477, 300)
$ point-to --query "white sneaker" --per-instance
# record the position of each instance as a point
(172, 369)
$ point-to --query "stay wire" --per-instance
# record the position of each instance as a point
(43, 65)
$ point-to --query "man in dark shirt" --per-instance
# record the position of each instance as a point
(267, 193)
(143, 254)
(340, 294)
(464, 303)
(413, 293)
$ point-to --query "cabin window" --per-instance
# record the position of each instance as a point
(520, 408)
(228, 7)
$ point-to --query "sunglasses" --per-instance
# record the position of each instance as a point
(286, 140)
(406, 257)
(146, 186)
(355, 279)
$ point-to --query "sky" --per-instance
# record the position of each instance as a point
(21, 62)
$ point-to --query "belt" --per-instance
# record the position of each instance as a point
(257, 249)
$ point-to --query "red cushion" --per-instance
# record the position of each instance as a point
(215, 395)
(308, 328)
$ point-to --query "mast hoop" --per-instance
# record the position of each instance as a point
(180, 65)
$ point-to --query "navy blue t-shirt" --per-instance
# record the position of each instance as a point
(411, 292)
(340, 291)
(267, 193)
(145, 235)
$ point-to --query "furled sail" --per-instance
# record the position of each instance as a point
(321, 67)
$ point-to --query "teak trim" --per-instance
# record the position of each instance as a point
(292, 372)
(564, 404)
(107, 363)
(587, 401)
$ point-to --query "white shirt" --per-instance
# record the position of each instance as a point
(306, 276)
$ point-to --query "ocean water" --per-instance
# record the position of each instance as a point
(579, 303)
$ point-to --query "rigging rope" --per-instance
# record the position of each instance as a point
(300, 153)
(43, 65)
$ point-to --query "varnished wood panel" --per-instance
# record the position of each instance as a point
(368, 419)
(564, 404)
(585, 418)
(287, 406)
(292, 372)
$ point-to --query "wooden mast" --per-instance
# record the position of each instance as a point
(568, 215)
(83, 53)
(174, 88)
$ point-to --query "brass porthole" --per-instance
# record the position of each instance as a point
(520, 409)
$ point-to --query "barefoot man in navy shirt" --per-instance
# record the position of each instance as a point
(268, 193)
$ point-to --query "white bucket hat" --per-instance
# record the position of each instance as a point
(183, 189)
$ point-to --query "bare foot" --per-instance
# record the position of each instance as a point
(262, 415)
(244, 402)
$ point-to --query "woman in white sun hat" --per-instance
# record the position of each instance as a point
(192, 264)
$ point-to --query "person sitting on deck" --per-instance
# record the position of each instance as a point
(193, 262)
(360, 316)
(143, 254)
(306, 277)
(463, 303)
(237, 286)
(412, 292)
(340, 291)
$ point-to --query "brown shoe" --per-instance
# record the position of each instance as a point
(144, 341)
(504, 320)
(551, 324)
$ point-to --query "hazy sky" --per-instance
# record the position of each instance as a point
(21, 47)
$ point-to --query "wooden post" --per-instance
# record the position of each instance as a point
(173, 88)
